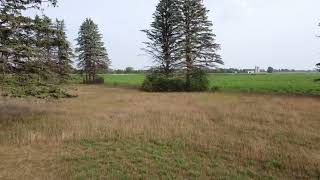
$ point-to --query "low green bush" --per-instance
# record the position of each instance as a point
(214, 89)
(98, 80)
(199, 81)
(14, 87)
(157, 82)
(161, 83)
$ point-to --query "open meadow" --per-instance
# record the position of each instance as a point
(111, 133)
(277, 83)
(171, 104)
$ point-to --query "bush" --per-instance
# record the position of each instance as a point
(157, 82)
(215, 89)
(199, 81)
(160, 83)
(98, 80)
(23, 87)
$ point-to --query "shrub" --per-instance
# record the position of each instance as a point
(157, 82)
(161, 83)
(199, 81)
(98, 80)
(15, 88)
(215, 88)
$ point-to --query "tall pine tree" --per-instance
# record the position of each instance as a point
(17, 46)
(92, 55)
(163, 36)
(64, 51)
(33, 50)
(197, 46)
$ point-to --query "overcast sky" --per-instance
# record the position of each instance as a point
(278, 33)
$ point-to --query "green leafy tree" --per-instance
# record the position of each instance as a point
(129, 70)
(92, 55)
(318, 67)
(270, 70)
(197, 46)
(163, 36)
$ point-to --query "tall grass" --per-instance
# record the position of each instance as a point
(109, 133)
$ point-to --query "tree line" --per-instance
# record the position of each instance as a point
(35, 52)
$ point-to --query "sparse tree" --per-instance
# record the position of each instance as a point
(163, 36)
(92, 55)
(197, 46)
(270, 70)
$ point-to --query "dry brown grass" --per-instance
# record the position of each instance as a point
(259, 128)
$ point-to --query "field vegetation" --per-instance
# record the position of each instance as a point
(109, 133)
(277, 83)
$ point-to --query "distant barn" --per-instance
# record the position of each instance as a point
(255, 71)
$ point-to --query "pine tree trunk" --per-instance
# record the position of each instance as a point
(86, 77)
(188, 55)
(2, 57)
(94, 72)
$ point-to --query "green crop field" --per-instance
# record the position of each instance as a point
(297, 83)
(286, 83)
(303, 84)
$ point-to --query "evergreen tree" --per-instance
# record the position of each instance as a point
(17, 48)
(318, 67)
(163, 36)
(65, 53)
(92, 55)
(33, 51)
(46, 41)
(197, 46)
(16, 6)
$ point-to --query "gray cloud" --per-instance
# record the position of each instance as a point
(279, 33)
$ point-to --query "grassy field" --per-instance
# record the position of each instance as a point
(110, 133)
(295, 84)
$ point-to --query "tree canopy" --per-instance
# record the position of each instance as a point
(163, 36)
(181, 38)
(270, 70)
(32, 50)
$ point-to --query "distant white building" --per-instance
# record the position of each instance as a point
(257, 70)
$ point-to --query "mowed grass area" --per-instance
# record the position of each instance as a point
(290, 83)
(110, 133)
